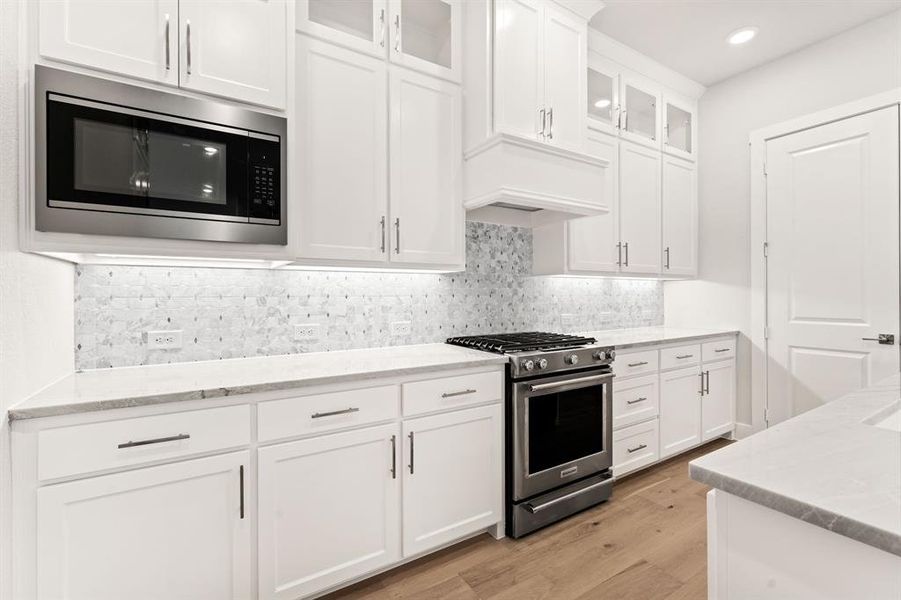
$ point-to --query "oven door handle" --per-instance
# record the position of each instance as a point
(540, 387)
(534, 509)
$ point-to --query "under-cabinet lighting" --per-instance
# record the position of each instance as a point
(742, 36)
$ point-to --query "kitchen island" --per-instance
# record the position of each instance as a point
(811, 507)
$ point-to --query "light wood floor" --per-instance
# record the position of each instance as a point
(647, 543)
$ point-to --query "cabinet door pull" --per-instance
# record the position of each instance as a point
(707, 387)
(333, 413)
(542, 118)
(701, 391)
(171, 438)
(397, 33)
(550, 123)
(382, 28)
(638, 364)
(619, 254)
(410, 435)
(393, 457)
(382, 223)
(626, 249)
(167, 42)
(682, 356)
(619, 116)
(636, 448)
(397, 235)
(637, 400)
(667, 257)
(188, 44)
(460, 393)
(625, 115)
(241, 485)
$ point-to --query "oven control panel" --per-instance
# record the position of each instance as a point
(530, 364)
(265, 180)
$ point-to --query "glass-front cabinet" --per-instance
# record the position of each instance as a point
(426, 35)
(358, 24)
(679, 127)
(640, 120)
(603, 99)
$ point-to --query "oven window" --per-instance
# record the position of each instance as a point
(565, 426)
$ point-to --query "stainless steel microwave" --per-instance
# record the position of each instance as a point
(121, 160)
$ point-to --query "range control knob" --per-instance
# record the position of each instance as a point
(528, 365)
(542, 363)
(611, 354)
(572, 359)
(600, 355)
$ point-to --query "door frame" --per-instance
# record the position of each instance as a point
(758, 300)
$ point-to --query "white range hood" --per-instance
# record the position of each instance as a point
(512, 180)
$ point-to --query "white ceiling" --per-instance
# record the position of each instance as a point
(689, 36)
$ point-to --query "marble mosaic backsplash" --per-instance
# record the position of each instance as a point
(233, 313)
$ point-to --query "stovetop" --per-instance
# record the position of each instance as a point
(529, 341)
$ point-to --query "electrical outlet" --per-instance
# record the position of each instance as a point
(568, 322)
(163, 340)
(306, 332)
(401, 328)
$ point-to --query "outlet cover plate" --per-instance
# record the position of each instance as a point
(306, 332)
(401, 328)
(164, 340)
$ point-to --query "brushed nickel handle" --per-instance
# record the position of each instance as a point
(638, 364)
(333, 413)
(532, 508)
(397, 235)
(382, 28)
(537, 387)
(626, 248)
(667, 257)
(707, 388)
(701, 391)
(619, 254)
(410, 435)
(188, 44)
(382, 223)
(168, 64)
(886, 339)
(682, 356)
(637, 400)
(636, 448)
(241, 485)
(718, 350)
(460, 393)
(397, 33)
(542, 116)
(550, 123)
(625, 120)
(619, 116)
(393, 457)
(171, 438)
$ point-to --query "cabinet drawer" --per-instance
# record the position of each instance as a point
(635, 447)
(111, 444)
(422, 397)
(319, 413)
(635, 363)
(718, 349)
(635, 400)
(680, 356)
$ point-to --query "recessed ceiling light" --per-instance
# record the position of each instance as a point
(602, 103)
(742, 36)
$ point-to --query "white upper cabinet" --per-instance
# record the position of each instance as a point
(358, 24)
(342, 113)
(565, 52)
(679, 127)
(603, 98)
(138, 38)
(425, 170)
(639, 209)
(680, 217)
(640, 105)
(426, 35)
(540, 53)
(235, 49)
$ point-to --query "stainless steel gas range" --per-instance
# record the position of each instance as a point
(559, 430)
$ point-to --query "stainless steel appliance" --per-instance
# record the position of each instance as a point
(559, 406)
(117, 159)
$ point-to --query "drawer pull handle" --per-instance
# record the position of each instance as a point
(722, 349)
(241, 485)
(460, 393)
(638, 364)
(681, 356)
(162, 440)
(333, 413)
(636, 448)
(393, 457)
(637, 400)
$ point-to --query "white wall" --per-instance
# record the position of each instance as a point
(857, 63)
(36, 293)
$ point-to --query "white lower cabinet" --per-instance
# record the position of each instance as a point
(181, 530)
(718, 401)
(680, 410)
(329, 510)
(452, 476)
(635, 447)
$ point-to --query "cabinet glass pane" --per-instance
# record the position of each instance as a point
(641, 113)
(426, 32)
(600, 96)
(678, 128)
(353, 17)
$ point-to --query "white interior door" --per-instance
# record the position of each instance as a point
(565, 54)
(639, 208)
(518, 67)
(832, 271)
(137, 38)
(591, 241)
(679, 201)
(235, 49)
(341, 151)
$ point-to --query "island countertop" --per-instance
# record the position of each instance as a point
(831, 467)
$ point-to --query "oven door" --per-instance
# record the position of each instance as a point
(562, 430)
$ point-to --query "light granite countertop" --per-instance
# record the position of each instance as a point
(830, 467)
(124, 387)
(644, 336)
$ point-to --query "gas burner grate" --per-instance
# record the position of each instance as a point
(529, 341)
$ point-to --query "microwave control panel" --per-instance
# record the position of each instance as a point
(265, 182)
